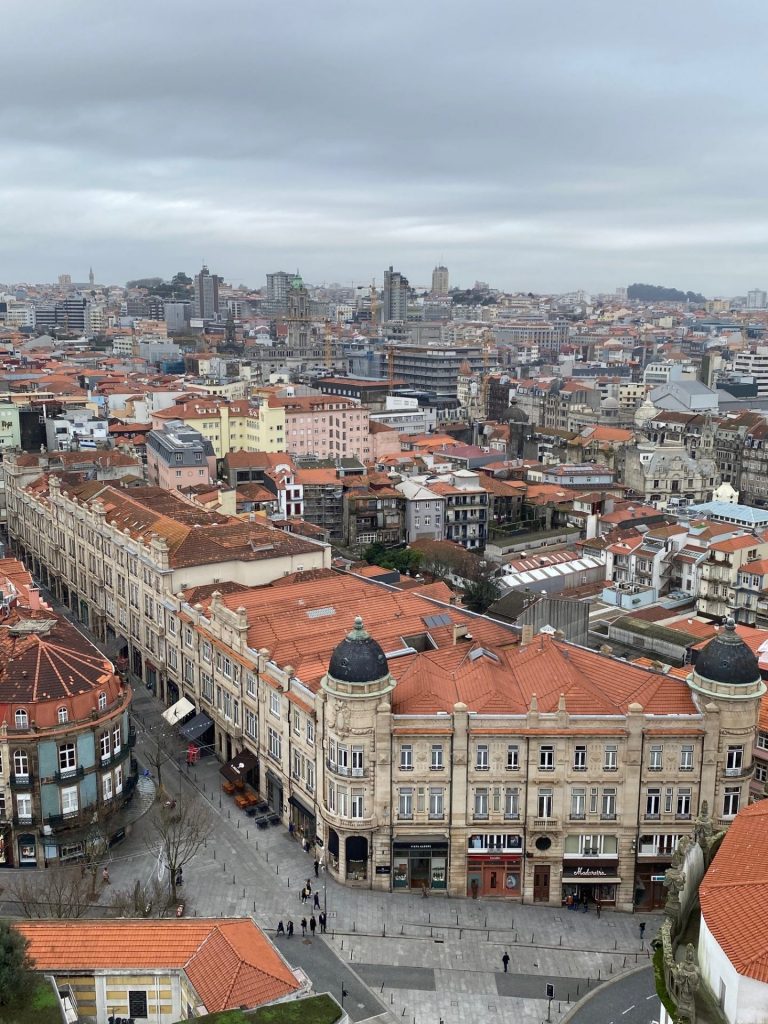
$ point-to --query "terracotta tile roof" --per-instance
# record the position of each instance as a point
(231, 963)
(734, 893)
(736, 544)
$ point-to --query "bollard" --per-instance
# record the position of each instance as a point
(289, 883)
(214, 853)
(354, 926)
(402, 929)
(561, 940)
(610, 967)
(254, 906)
(577, 989)
(429, 918)
(277, 869)
(457, 924)
(233, 879)
(625, 962)
(382, 987)
(515, 936)
(238, 823)
(243, 893)
(532, 938)
(384, 931)
(615, 944)
(391, 998)
(267, 856)
(342, 943)
(229, 814)
(568, 997)
(485, 925)
(219, 803)
(598, 974)
(225, 868)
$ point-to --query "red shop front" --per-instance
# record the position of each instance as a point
(494, 865)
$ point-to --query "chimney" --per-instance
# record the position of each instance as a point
(527, 635)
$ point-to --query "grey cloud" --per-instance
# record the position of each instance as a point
(535, 144)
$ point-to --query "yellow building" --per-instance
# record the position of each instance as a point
(252, 424)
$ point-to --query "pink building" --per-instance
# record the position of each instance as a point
(325, 426)
(178, 457)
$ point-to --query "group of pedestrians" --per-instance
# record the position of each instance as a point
(313, 922)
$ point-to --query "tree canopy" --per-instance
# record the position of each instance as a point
(15, 963)
(658, 293)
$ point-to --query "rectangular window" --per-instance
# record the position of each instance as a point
(119, 779)
(67, 759)
(117, 739)
(656, 758)
(296, 764)
(205, 651)
(137, 1004)
(611, 758)
(274, 704)
(546, 758)
(106, 786)
(608, 810)
(405, 805)
(481, 762)
(297, 723)
(436, 763)
(275, 744)
(310, 780)
(578, 804)
(731, 801)
(24, 806)
(513, 757)
(686, 758)
(669, 796)
(436, 803)
(481, 803)
(544, 803)
(250, 684)
(684, 802)
(653, 803)
(341, 798)
(512, 803)
(580, 758)
(105, 745)
(358, 761)
(250, 724)
(356, 804)
(406, 758)
(69, 801)
(342, 759)
(762, 740)
(310, 731)
(734, 760)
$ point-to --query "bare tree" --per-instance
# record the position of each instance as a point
(143, 899)
(160, 746)
(177, 830)
(60, 892)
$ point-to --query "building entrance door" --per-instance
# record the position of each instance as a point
(541, 883)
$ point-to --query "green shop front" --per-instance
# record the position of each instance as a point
(420, 862)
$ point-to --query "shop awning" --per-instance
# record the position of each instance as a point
(237, 769)
(294, 800)
(195, 727)
(602, 880)
(419, 840)
(179, 710)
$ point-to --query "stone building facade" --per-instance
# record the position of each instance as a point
(451, 756)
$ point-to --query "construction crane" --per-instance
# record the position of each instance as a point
(328, 346)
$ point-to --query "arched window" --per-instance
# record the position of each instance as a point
(102, 701)
(22, 719)
(20, 762)
(63, 715)
(67, 759)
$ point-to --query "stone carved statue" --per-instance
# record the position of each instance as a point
(686, 978)
(703, 829)
(674, 883)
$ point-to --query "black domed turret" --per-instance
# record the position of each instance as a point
(358, 658)
(514, 414)
(727, 659)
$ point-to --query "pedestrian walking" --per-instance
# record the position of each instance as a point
(303, 926)
(585, 903)
(179, 878)
(317, 901)
(569, 901)
(321, 919)
(105, 876)
(642, 930)
(312, 924)
(309, 887)
(280, 928)
(317, 868)
(289, 928)
(598, 909)
(505, 961)
(304, 894)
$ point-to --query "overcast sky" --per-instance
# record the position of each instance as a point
(535, 144)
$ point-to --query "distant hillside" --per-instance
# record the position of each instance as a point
(658, 293)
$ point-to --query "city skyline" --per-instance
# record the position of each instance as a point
(622, 148)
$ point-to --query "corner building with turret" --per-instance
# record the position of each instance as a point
(420, 746)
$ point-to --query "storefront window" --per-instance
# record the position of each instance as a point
(419, 865)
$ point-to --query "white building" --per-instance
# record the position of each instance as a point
(754, 364)
(733, 937)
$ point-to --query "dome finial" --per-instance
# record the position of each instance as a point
(730, 625)
(357, 632)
